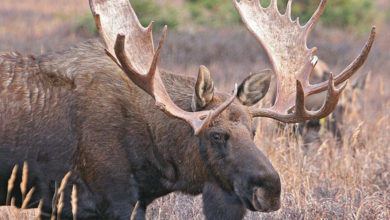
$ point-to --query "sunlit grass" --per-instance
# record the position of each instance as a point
(323, 180)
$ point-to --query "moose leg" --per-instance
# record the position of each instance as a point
(219, 204)
(119, 198)
(111, 181)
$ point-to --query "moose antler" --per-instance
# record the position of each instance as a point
(284, 41)
(130, 45)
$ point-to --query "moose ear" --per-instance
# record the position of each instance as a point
(204, 90)
(254, 88)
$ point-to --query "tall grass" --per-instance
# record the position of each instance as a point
(322, 180)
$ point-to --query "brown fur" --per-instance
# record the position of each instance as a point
(76, 110)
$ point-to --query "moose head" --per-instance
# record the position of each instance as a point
(239, 173)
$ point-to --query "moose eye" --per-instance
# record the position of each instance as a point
(218, 137)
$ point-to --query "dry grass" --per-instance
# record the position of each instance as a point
(12, 213)
(43, 23)
(320, 181)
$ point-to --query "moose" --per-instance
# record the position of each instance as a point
(310, 130)
(130, 132)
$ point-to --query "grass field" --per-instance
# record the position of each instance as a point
(321, 180)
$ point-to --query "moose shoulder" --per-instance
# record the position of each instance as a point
(131, 133)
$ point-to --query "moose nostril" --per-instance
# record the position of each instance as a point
(271, 182)
(260, 194)
(265, 191)
(265, 201)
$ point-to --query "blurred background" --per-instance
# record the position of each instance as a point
(201, 32)
(347, 179)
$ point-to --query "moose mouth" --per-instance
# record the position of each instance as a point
(251, 205)
(256, 201)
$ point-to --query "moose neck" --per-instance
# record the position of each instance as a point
(176, 147)
(171, 145)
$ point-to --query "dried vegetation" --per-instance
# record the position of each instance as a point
(321, 180)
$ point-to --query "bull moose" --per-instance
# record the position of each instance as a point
(131, 133)
(310, 130)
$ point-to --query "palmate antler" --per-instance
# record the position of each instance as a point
(284, 41)
(131, 46)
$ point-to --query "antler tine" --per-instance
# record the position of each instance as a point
(300, 112)
(146, 82)
(131, 46)
(313, 20)
(274, 4)
(330, 103)
(350, 69)
(300, 100)
(285, 43)
(153, 67)
(288, 9)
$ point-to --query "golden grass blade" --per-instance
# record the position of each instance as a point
(39, 209)
(64, 182)
(74, 202)
(11, 183)
(28, 198)
(23, 184)
(57, 202)
(60, 206)
(134, 212)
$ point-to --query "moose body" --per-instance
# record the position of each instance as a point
(76, 110)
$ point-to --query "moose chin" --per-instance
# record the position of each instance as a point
(130, 133)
